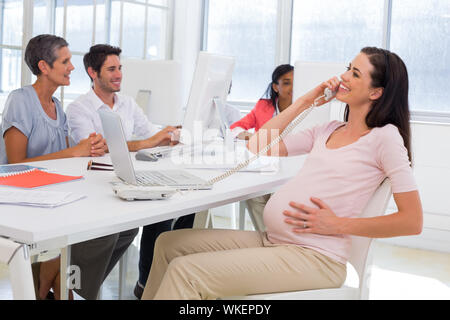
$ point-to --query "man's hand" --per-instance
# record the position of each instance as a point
(169, 135)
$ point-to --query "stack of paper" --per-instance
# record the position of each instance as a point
(46, 199)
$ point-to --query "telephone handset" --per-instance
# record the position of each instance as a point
(327, 96)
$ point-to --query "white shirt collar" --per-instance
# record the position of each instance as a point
(97, 103)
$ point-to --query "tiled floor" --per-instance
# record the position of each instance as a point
(398, 273)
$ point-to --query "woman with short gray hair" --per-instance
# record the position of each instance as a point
(34, 128)
(43, 47)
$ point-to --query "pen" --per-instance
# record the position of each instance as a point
(92, 163)
(100, 169)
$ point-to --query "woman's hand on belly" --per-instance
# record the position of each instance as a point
(320, 220)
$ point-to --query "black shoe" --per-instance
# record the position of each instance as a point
(138, 291)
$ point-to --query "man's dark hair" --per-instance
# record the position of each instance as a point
(97, 55)
(43, 47)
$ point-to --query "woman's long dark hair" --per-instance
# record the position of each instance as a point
(276, 75)
(389, 72)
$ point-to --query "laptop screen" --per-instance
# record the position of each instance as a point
(117, 145)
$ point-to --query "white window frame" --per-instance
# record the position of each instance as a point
(169, 27)
(284, 45)
(28, 7)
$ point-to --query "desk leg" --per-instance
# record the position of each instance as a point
(64, 269)
(242, 207)
(234, 209)
(123, 263)
(34, 258)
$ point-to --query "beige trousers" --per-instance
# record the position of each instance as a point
(255, 208)
(209, 264)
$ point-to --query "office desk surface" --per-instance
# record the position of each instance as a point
(102, 213)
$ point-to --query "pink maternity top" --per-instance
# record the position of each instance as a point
(344, 178)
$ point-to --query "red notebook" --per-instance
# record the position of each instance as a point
(34, 178)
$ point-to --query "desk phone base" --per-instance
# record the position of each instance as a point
(130, 192)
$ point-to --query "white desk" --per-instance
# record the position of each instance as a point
(102, 213)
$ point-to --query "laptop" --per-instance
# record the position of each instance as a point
(123, 166)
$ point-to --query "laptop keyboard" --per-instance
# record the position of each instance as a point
(171, 178)
(153, 178)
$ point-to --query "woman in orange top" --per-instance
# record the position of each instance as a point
(278, 98)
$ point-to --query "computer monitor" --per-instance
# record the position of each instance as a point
(307, 75)
(211, 81)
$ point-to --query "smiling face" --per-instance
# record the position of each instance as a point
(356, 86)
(59, 74)
(109, 78)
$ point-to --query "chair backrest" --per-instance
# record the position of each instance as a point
(360, 257)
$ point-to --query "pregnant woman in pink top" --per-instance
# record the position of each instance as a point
(309, 220)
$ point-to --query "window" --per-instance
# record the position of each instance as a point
(139, 27)
(420, 35)
(74, 21)
(247, 31)
(330, 31)
(334, 31)
(11, 17)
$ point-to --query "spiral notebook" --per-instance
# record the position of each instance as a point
(6, 170)
(30, 178)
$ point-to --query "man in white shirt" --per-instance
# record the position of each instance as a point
(106, 78)
(102, 63)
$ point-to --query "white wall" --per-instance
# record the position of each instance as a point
(431, 153)
(187, 39)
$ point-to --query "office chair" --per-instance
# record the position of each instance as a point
(356, 286)
(17, 257)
